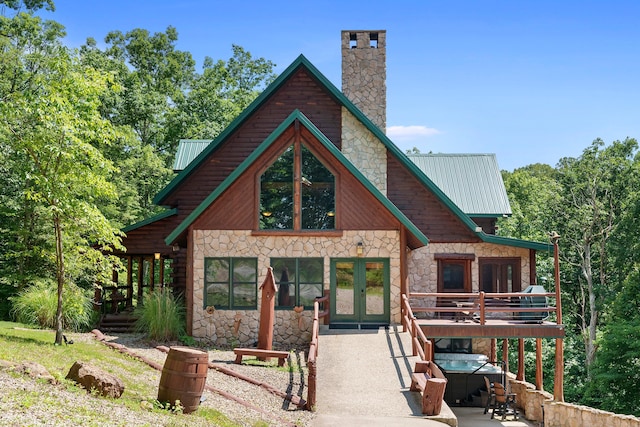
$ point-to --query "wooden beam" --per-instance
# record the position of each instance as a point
(475, 330)
(161, 272)
(558, 379)
(129, 281)
(140, 279)
(539, 383)
(297, 178)
(152, 273)
(520, 374)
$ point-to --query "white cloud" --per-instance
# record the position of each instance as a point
(409, 133)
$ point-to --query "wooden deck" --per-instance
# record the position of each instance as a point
(492, 328)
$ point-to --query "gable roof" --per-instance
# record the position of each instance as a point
(301, 61)
(472, 181)
(296, 115)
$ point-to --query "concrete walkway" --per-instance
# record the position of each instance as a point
(364, 378)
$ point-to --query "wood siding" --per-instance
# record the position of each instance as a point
(429, 214)
(300, 92)
(356, 207)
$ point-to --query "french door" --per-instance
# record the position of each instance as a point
(360, 291)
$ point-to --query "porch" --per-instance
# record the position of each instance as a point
(432, 316)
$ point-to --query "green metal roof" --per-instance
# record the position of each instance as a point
(188, 149)
(472, 181)
(296, 115)
(302, 61)
(152, 219)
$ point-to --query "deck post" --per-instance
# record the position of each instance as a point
(539, 383)
(558, 380)
(152, 273)
(129, 303)
(520, 374)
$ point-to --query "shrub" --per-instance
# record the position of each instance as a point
(37, 305)
(161, 316)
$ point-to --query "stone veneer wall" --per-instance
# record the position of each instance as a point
(423, 268)
(530, 403)
(240, 327)
(364, 150)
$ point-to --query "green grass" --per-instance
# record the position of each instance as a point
(20, 343)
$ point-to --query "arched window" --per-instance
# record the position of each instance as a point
(297, 192)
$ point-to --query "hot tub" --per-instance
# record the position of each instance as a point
(465, 374)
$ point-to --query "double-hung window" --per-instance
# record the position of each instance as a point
(231, 283)
(299, 280)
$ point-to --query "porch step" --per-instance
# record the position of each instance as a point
(122, 323)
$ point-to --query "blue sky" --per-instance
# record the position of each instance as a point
(531, 81)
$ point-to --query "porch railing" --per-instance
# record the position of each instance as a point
(481, 307)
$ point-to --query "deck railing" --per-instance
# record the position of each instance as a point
(313, 350)
(483, 306)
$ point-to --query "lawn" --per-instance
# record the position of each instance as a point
(72, 405)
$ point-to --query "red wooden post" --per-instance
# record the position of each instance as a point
(433, 395)
(558, 380)
(539, 383)
(267, 311)
(520, 374)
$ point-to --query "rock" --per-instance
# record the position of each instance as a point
(93, 378)
(32, 369)
(36, 371)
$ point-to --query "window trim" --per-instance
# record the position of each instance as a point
(464, 260)
(230, 305)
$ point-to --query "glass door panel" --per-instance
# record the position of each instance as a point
(374, 288)
(345, 290)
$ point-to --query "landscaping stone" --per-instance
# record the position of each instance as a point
(32, 369)
(93, 378)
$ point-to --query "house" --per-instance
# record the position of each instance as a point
(306, 181)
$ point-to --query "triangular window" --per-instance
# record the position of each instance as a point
(297, 192)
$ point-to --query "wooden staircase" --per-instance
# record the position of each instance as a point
(118, 323)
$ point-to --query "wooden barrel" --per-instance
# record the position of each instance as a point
(183, 377)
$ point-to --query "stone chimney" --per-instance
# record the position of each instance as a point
(364, 72)
(364, 83)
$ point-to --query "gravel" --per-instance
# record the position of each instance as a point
(28, 402)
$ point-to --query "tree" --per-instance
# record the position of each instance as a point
(594, 187)
(614, 380)
(158, 78)
(219, 95)
(50, 120)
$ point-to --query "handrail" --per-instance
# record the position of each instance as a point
(313, 350)
(420, 345)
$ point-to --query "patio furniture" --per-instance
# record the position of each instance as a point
(505, 403)
(491, 395)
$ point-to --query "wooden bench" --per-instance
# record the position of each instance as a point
(432, 388)
(260, 354)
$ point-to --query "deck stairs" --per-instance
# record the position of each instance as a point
(118, 323)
